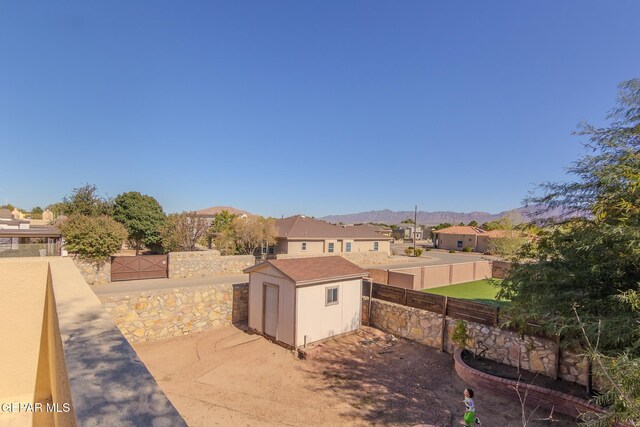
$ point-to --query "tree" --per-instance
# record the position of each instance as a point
(36, 213)
(407, 221)
(182, 231)
(93, 238)
(473, 223)
(591, 253)
(85, 201)
(142, 216)
(221, 232)
(252, 232)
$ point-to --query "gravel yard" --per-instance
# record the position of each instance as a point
(230, 377)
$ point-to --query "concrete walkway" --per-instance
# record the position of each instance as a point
(137, 286)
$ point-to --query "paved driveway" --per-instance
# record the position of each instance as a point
(228, 377)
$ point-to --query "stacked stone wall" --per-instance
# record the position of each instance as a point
(148, 316)
(94, 273)
(206, 264)
(534, 354)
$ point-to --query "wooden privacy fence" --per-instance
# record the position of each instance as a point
(452, 307)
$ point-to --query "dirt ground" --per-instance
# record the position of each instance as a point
(229, 377)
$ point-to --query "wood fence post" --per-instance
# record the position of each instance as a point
(444, 323)
(405, 297)
(370, 298)
(558, 354)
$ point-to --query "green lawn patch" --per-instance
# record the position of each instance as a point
(478, 290)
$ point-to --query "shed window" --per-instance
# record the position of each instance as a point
(347, 247)
(304, 246)
(332, 296)
(330, 247)
(375, 246)
(459, 243)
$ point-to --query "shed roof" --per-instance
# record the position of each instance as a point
(312, 270)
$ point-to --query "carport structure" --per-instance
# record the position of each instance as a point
(304, 300)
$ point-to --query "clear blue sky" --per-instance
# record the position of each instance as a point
(326, 107)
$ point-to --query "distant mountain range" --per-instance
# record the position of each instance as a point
(387, 216)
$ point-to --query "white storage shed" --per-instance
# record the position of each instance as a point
(303, 300)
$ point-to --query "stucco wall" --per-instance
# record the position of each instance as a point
(286, 296)
(148, 316)
(21, 326)
(359, 258)
(439, 275)
(450, 241)
(317, 320)
(319, 247)
(500, 269)
(70, 353)
(206, 264)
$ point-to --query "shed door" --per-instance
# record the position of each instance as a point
(271, 310)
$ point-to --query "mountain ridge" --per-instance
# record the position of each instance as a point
(388, 216)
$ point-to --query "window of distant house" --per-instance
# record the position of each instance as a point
(332, 296)
(347, 247)
(304, 246)
(330, 247)
(375, 246)
(459, 243)
(264, 247)
(272, 250)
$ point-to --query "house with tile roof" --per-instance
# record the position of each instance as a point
(209, 213)
(305, 236)
(459, 237)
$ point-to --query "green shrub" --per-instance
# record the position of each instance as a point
(427, 249)
(467, 249)
(451, 251)
(93, 238)
(418, 252)
(460, 336)
(408, 251)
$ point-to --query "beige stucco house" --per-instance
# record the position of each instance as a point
(464, 236)
(304, 300)
(304, 236)
(461, 236)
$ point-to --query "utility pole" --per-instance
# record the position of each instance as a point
(415, 229)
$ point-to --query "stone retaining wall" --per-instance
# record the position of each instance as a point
(94, 274)
(206, 264)
(153, 315)
(530, 353)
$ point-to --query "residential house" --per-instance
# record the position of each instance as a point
(406, 232)
(209, 213)
(19, 238)
(301, 235)
(459, 237)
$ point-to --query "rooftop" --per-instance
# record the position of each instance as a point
(316, 269)
(302, 227)
(217, 209)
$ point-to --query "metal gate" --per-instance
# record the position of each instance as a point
(139, 267)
